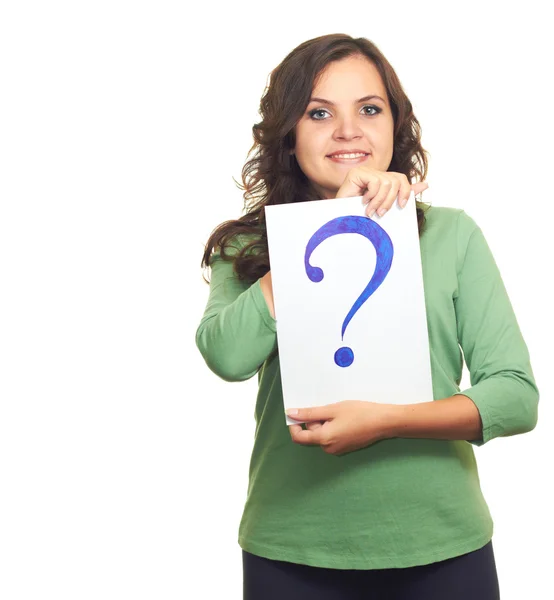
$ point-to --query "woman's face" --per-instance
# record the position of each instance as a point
(346, 122)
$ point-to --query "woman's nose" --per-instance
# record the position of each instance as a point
(348, 128)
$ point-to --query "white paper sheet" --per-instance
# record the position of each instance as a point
(386, 331)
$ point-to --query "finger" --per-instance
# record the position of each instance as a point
(314, 425)
(419, 187)
(305, 437)
(356, 181)
(370, 187)
(405, 201)
(313, 413)
(390, 199)
(384, 190)
(294, 429)
(404, 192)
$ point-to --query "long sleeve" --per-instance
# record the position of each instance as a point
(502, 383)
(237, 332)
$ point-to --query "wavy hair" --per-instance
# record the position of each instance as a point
(273, 175)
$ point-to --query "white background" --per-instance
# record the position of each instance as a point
(123, 459)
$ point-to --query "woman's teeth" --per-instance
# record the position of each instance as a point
(348, 155)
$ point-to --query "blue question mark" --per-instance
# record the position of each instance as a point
(365, 226)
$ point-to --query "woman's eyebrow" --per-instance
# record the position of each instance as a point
(364, 99)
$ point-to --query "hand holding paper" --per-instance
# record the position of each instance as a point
(349, 425)
(379, 188)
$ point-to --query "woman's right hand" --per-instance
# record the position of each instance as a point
(379, 188)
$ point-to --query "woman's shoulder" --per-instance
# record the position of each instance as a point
(446, 217)
(443, 213)
(234, 244)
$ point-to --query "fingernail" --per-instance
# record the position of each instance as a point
(381, 211)
(292, 411)
(371, 212)
(403, 202)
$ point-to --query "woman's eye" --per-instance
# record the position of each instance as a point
(377, 110)
(316, 111)
(322, 110)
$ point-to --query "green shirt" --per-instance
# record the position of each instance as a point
(399, 502)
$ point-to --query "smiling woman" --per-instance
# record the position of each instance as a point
(333, 77)
(345, 132)
(399, 507)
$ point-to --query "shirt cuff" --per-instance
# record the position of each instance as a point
(477, 398)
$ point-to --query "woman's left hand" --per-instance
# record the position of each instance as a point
(347, 425)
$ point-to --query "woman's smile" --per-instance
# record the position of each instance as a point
(342, 159)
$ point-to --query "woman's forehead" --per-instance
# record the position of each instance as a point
(340, 78)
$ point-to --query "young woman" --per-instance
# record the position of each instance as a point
(370, 500)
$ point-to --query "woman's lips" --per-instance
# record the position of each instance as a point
(348, 161)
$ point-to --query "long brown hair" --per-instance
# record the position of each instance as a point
(273, 175)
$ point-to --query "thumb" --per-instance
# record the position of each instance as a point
(317, 413)
(419, 187)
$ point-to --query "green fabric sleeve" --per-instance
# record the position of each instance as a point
(502, 383)
(237, 332)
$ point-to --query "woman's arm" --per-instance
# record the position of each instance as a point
(503, 397)
(237, 332)
(452, 418)
(502, 383)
